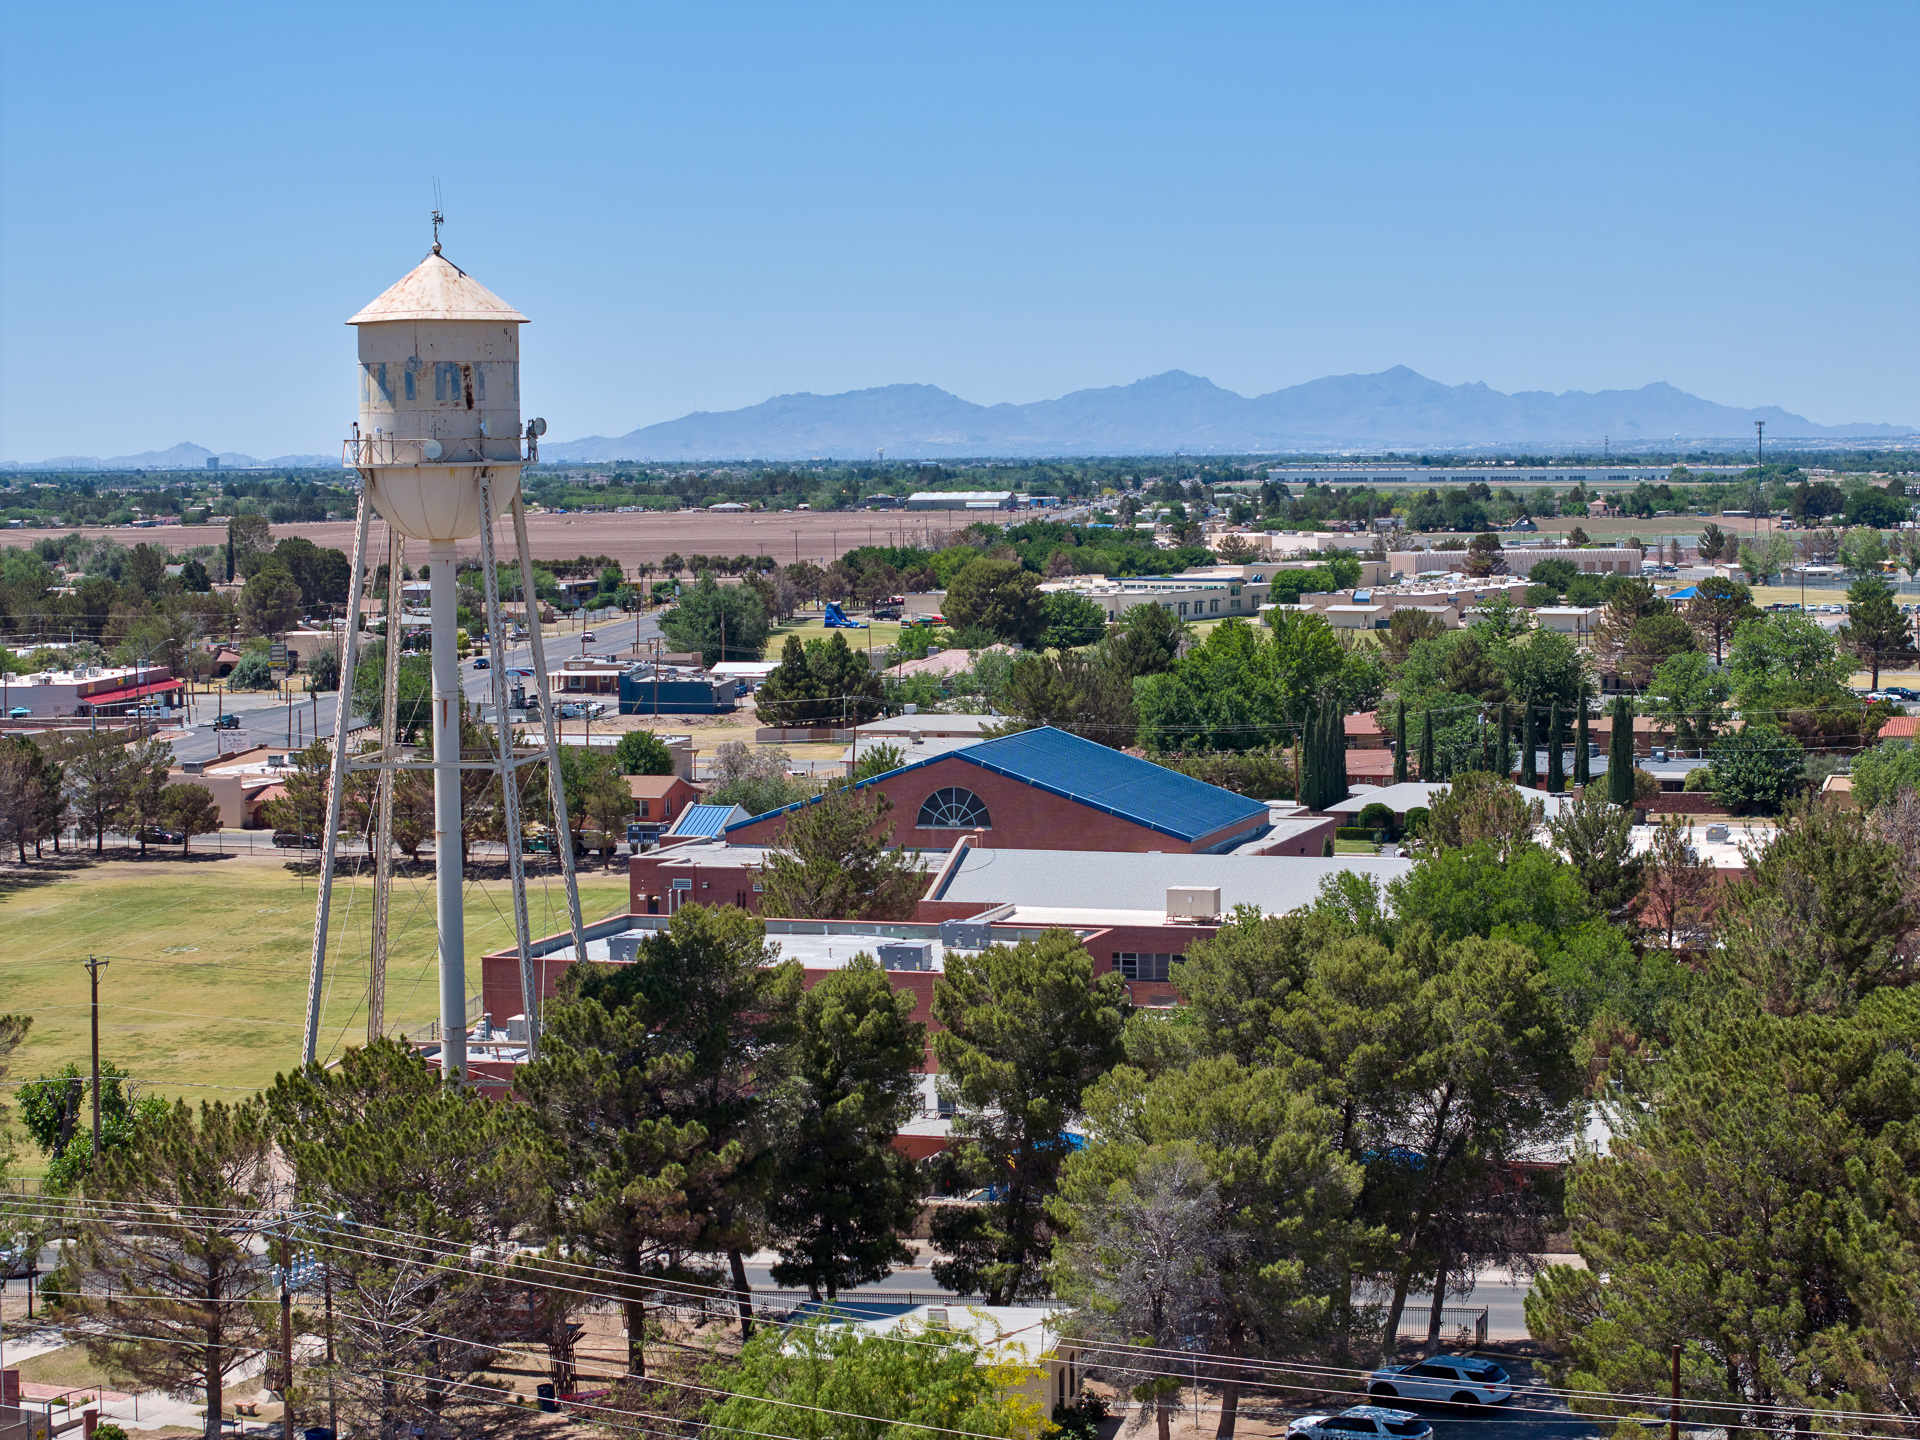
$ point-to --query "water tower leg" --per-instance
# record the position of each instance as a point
(383, 801)
(447, 874)
(336, 790)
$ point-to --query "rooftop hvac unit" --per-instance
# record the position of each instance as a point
(625, 949)
(1193, 902)
(965, 935)
(907, 955)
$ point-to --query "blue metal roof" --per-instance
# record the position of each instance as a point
(708, 820)
(1108, 780)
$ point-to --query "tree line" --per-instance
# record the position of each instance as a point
(1372, 1099)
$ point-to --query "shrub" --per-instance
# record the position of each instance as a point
(1257, 774)
(1376, 817)
(1081, 1419)
(252, 673)
(1354, 832)
(1416, 819)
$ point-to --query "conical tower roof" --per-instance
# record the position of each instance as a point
(438, 289)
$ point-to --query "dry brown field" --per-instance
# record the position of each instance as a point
(648, 536)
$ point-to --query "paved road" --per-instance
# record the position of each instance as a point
(269, 719)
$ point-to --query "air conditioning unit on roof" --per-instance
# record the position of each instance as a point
(1193, 902)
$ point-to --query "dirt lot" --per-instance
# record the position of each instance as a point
(630, 539)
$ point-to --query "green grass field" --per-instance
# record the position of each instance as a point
(205, 994)
(879, 636)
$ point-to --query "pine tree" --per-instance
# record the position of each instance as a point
(1400, 746)
(1529, 760)
(1620, 755)
(834, 862)
(1877, 629)
(646, 1081)
(1426, 747)
(410, 1169)
(1556, 751)
(1027, 1027)
(182, 1299)
(844, 1195)
(1505, 764)
(1753, 1218)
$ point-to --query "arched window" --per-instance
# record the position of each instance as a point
(954, 809)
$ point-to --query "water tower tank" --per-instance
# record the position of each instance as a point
(439, 399)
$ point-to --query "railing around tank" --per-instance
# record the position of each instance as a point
(363, 450)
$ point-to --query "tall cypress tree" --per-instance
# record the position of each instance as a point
(1620, 755)
(1337, 737)
(1556, 751)
(1582, 765)
(1426, 747)
(1529, 761)
(1506, 744)
(1400, 746)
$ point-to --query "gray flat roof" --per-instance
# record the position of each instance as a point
(1412, 793)
(1101, 880)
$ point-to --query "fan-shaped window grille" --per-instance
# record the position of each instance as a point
(954, 809)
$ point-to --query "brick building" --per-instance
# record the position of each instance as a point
(1047, 790)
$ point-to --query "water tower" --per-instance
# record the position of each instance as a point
(438, 447)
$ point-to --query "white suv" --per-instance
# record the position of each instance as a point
(1362, 1422)
(1453, 1379)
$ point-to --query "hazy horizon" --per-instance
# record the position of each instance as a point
(701, 210)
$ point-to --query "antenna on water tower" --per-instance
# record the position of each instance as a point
(438, 218)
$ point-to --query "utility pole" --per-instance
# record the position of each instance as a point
(286, 1333)
(333, 1409)
(1673, 1410)
(95, 965)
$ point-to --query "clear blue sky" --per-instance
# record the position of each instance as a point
(701, 205)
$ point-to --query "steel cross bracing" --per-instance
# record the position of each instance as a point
(509, 783)
(388, 760)
(556, 786)
(383, 799)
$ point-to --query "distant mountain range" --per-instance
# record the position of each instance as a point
(184, 456)
(1396, 408)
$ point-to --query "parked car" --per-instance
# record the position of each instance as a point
(19, 712)
(294, 840)
(1448, 1379)
(160, 835)
(1362, 1421)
